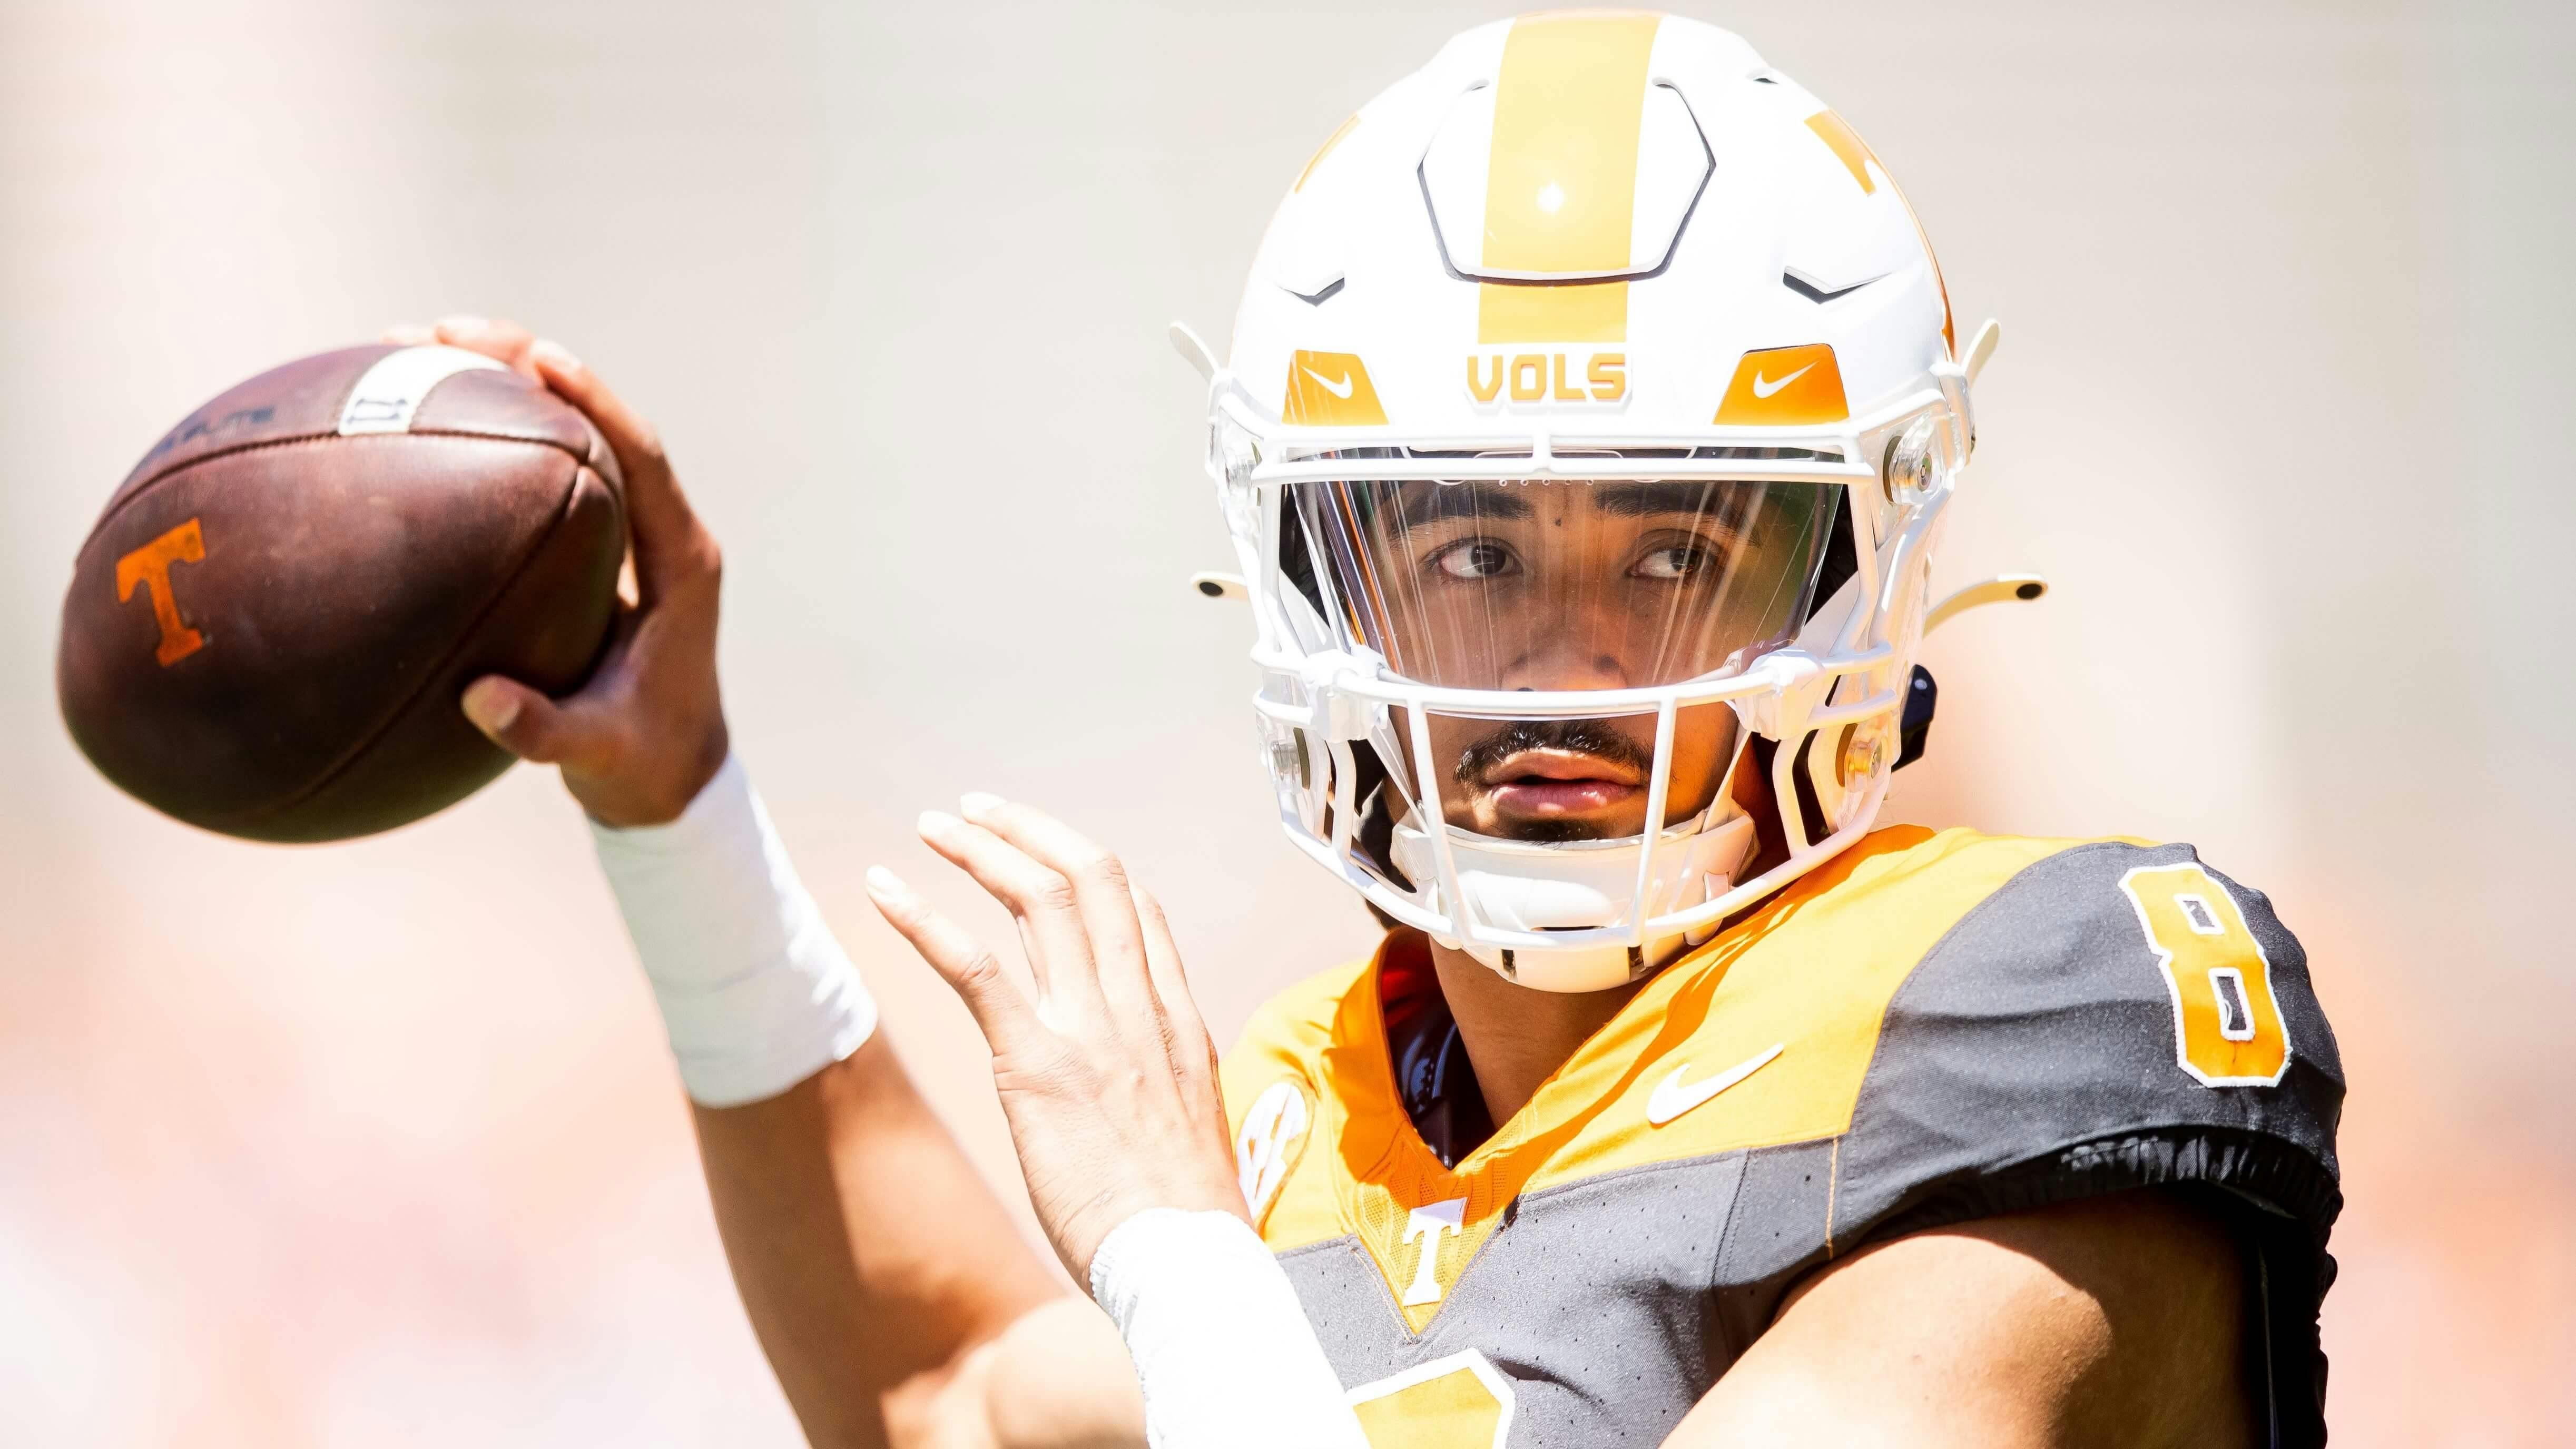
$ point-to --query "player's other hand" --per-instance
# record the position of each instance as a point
(1105, 1070)
(638, 741)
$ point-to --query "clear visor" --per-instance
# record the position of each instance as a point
(1564, 587)
(1568, 585)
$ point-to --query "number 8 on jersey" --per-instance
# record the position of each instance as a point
(2228, 1029)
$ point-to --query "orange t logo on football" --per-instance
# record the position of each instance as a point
(150, 567)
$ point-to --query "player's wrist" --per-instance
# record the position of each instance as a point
(1086, 1232)
(755, 993)
(657, 796)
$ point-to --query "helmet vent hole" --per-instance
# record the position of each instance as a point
(1819, 294)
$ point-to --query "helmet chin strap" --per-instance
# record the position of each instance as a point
(1559, 885)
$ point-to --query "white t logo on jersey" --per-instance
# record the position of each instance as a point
(1428, 1223)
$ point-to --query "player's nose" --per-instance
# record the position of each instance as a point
(1569, 661)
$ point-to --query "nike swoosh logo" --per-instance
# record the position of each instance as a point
(1671, 1098)
(1342, 389)
(1764, 387)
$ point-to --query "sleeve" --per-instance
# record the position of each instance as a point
(2114, 1017)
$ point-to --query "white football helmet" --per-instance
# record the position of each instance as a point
(1593, 403)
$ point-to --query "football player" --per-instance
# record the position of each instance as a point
(1588, 424)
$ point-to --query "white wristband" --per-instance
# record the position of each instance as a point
(755, 993)
(1221, 1346)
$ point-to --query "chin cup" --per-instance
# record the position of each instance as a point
(1580, 885)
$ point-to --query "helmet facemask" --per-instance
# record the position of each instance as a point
(1550, 664)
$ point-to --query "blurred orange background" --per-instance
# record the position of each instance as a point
(378, 1144)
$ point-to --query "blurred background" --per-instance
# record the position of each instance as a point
(378, 1144)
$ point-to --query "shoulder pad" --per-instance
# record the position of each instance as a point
(1275, 1100)
(1288, 1032)
(2115, 1015)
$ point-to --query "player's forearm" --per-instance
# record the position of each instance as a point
(870, 1256)
(1057, 1378)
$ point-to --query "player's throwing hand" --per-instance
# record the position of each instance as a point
(639, 741)
(1106, 1072)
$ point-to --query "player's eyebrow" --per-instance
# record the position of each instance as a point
(1445, 501)
(1638, 500)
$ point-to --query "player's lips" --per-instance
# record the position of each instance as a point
(1560, 782)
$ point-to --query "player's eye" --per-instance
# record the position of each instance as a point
(1475, 558)
(1676, 561)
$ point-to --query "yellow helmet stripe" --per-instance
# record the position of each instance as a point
(1326, 149)
(1561, 178)
(1552, 312)
(1857, 158)
(1847, 147)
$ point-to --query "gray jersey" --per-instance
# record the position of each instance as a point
(1930, 1029)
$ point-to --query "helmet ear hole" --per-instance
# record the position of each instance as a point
(1752, 790)
(1915, 731)
(1296, 560)
(1811, 810)
(1841, 560)
(1374, 839)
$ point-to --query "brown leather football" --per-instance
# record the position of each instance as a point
(269, 629)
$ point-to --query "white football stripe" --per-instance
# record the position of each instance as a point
(392, 391)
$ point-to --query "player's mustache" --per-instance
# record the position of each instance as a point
(1577, 736)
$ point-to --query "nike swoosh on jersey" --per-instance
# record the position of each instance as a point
(1671, 1098)
(1342, 389)
(1764, 387)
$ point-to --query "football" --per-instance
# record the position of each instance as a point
(268, 630)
